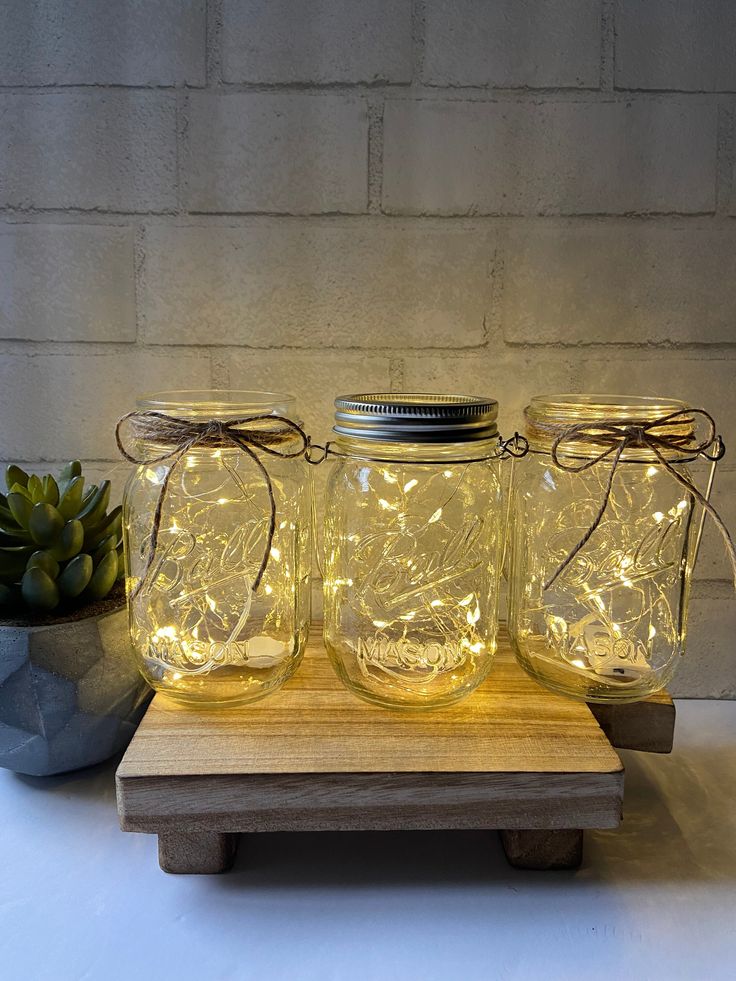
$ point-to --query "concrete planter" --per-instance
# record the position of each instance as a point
(70, 694)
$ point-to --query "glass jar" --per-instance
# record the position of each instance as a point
(413, 547)
(602, 619)
(200, 629)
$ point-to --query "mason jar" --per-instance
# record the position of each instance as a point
(412, 546)
(602, 545)
(217, 543)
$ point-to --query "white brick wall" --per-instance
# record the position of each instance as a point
(660, 281)
(687, 44)
(106, 150)
(459, 158)
(297, 154)
(66, 405)
(102, 42)
(513, 43)
(67, 283)
(494, 196)
(369, 41)
(316, 284)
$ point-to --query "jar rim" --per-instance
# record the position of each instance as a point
(548, 417)
(217, 403)
(594, 407)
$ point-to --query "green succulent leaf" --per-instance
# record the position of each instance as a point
(57, 541)
(45, 524)
(76, 575)
(107, 545)
(50, 490)
(70, 470)
(46, 561)
(35, 488)
(39, 590)
(14, 475)
(70, 502)
(93, 512)
(9, 529)
(89, 494)
(104, 576)
(112, 524)
(20, 507)
(13, 562)
(70, 541)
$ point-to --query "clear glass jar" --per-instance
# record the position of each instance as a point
(413, 547)
(611, 625)
(200, 631)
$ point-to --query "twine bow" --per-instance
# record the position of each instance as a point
(615, 437)
(182, 435)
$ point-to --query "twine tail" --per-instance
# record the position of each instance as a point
(596, 521)
(157, 515)
(272, 516)
(707, 507)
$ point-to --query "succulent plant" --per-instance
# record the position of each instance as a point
(59, 546)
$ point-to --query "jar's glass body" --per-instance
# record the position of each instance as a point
(412, 555)
(199, 630)
(612, 625)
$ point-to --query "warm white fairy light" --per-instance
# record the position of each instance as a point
(614, 607)
(196, 611)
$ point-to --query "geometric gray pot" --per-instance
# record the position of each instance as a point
(70, 693)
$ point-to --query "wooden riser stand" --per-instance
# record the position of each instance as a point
(311, 757)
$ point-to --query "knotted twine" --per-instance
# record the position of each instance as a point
(615, 437)
(179, 436)
(515, 446)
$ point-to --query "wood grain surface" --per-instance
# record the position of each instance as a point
(313, 757)
(315, 725)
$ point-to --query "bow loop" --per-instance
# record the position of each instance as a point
(267, 433)
(673, 433)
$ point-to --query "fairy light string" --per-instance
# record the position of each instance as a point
(267, 433)
(609, 439)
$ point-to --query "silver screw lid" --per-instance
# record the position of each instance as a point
(416, 417)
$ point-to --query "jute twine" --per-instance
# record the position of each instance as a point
(271, 434)
(611, 438)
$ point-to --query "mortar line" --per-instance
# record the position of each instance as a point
(608, 46)
(725, 155)
(375, 156)
(379, 87)
(213, 44)
(418, 39)
(138, 275)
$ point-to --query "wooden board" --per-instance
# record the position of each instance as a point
(647, 726)
(313, 757)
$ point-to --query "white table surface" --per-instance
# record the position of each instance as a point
(656, 899)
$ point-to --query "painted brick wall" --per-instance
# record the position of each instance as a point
(495, 196)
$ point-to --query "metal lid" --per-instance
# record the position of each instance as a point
(416, 418)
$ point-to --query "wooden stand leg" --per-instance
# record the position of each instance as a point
(196, 853)
(543, 850)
